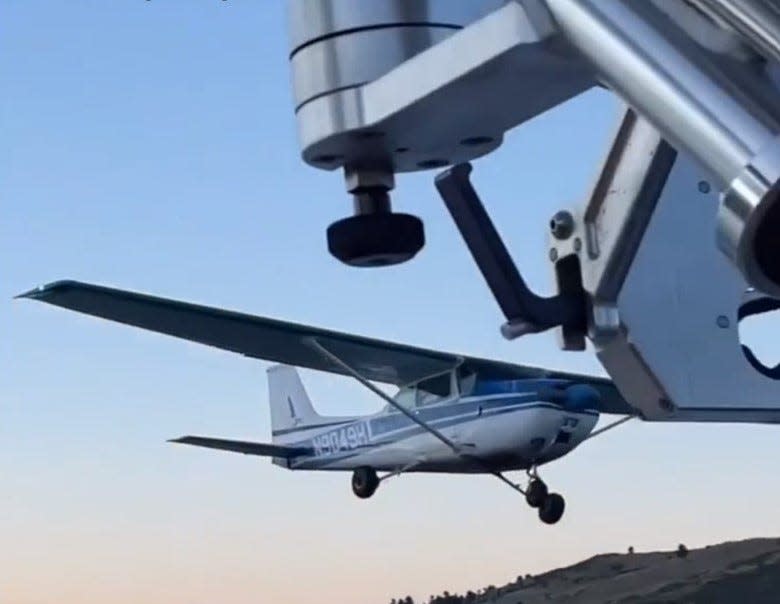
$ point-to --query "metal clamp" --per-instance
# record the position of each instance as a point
(663, 304)
(526, 312)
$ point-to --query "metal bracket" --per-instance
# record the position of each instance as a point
(663, 304)
(526, 312)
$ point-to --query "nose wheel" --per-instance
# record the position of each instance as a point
(551, 510)
(536, 493)
(550, 506)
(364, 482)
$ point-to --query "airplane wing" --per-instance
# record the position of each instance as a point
(290, 343)
(241, 446)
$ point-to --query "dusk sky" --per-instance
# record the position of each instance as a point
(152, 146)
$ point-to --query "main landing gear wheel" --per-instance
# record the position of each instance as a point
(364, 482)
(549, 505)
(552, 508)
(536, 493)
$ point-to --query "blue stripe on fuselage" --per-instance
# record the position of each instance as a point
(283, 431)
(395, 426)
(472, 407)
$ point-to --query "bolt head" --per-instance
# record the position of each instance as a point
(562, 225)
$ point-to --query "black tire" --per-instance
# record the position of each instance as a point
(364, 482)
(536, 493)
(551, 510)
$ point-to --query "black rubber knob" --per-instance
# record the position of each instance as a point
(379, 239)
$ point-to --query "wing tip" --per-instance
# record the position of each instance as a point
(181, 440)
(43, 291)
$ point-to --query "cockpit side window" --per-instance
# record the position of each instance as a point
(425, 392)
(406, 397)
(433, 390)
(427, 398)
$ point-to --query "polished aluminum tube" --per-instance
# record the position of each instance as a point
(757, 20)
(337, 46)
(652, 64)
(668, 80)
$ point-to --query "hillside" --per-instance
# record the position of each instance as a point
(743, 572)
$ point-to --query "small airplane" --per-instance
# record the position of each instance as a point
(452, 413)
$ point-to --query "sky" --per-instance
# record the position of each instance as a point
(152, 146)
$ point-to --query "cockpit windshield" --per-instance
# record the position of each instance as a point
(467, 382)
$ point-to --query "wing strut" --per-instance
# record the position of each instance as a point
(433, 431)
(614, 424)
(329, 355)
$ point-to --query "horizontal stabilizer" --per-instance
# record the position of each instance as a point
(241, 446)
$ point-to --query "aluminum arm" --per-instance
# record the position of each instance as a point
(757, 20)
(673, 83)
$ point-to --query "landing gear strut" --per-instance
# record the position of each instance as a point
(549, 505)
(364, 482)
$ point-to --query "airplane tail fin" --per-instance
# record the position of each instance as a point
(291, 409)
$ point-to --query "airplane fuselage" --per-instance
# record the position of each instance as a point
(506, 431)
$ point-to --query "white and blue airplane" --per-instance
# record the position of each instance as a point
(452, 413)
